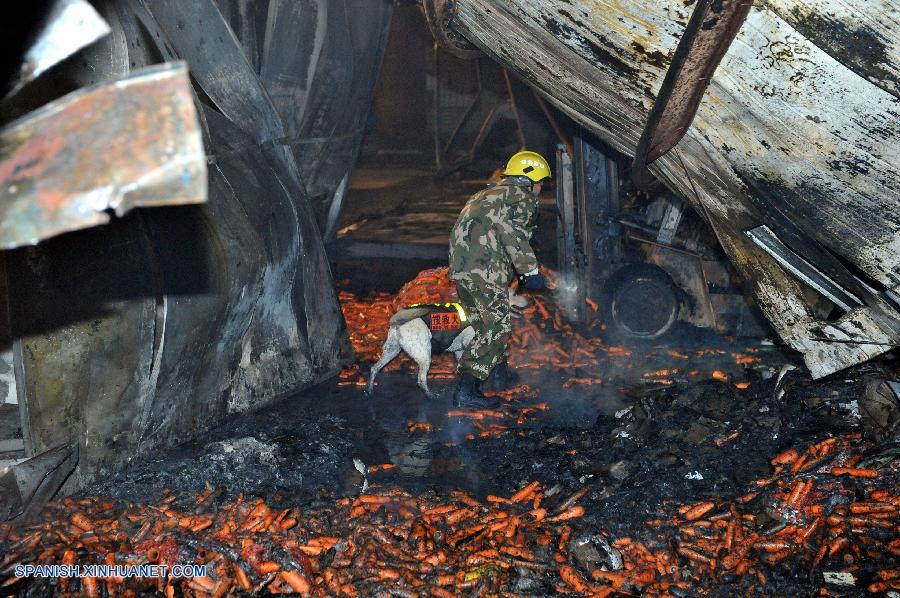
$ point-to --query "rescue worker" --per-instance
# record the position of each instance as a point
(489, 244)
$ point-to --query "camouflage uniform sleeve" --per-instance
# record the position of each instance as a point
(515, 233)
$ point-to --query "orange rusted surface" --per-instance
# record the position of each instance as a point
(130, 143)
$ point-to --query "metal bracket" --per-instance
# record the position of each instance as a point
(763, 237)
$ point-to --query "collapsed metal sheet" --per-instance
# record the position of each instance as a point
(302, 51)
(27, 487)
(131, 143)
(144, 332)
(69, 25)
(781, 117)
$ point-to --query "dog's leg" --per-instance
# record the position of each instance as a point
(416, 341)
(389, 351)
(460, 342)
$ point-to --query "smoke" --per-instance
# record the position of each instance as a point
(567, 296)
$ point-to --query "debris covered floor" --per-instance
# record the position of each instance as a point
(706, 467)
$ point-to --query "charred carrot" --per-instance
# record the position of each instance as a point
(297, 582)
(82, 522)
(268, 567)
(242, 578)
(879, 586)
(564, 538)
(201, 524)
(820, 555)
(465, 533)
(525, 493)
(695, 556)
(807, 533)
(772, 546)
(387, 574)
(880, 495)
(867, 508)
(519, 553)
(573, 578)
(799, 463)
(857, 473)
(837, 545)
(291, 521)
(786, 458)
(572, 500)
(374, 499)
(572, 513)
(615, 578)
(699, 510)
(543, 310)
(457, 516)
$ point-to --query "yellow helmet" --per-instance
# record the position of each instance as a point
(528, 164)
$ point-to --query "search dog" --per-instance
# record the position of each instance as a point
(418, 331)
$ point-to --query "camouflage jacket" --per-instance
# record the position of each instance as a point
(490, 240)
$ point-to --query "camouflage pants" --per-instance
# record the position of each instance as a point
(489, 314)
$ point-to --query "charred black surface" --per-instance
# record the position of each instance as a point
(600, 55)
(656, 58)
(861, 49)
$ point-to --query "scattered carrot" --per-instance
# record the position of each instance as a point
(297, 582)
(572, 513)
(699, 510)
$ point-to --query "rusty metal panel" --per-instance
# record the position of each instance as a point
(132, 143)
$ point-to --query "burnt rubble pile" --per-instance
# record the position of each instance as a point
(767, 483)
(828, 513)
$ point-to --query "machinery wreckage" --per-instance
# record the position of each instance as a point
(720, 468)
(776, 121)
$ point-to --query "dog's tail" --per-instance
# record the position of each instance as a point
(389, 351)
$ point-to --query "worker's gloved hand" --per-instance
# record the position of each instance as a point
(533, 282)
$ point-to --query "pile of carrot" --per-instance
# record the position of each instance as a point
(820, 510)
(541, 337)
(429, 286)
(383, 541)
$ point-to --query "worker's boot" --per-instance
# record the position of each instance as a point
(468, 394)
(503, 376)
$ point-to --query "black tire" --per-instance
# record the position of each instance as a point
(640, 303)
